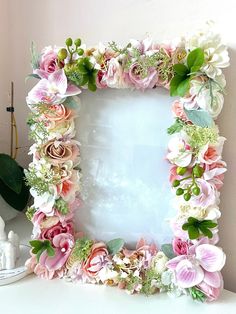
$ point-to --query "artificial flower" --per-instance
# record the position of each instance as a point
(180, 152)
(52, 90)
(140, 81)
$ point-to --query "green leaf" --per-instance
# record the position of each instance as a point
(181, 69)
(72, 102)
(10, 173)
(205, 231)
(195, 58)
(114, 246)
(92, 87)
(174, 83)
(192, 220)
(186, 226)
(176, 127)
(199, 117)
(82, 69)
(50, 251)
(167, 249)
(32, 75)
(183, 87)
(208, 223)
(36, 244)
(193, 232)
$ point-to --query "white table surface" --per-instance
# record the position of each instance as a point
(32, 295)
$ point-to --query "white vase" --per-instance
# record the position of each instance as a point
(6, 211)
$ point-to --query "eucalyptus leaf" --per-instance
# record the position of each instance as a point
(167, 249)
(72, 102)
(199, 117)
(115, 245)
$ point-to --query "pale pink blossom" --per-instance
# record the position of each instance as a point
(178, 110)
(67, 188)
(180, 247)
(62, 244)
(96, 259)
(52, 90)
(180, 153)
(202, 263)
(210, 154)
(50, 233)
(48, 62)
(142, 82)
(214, 173)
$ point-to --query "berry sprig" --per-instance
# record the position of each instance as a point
(63, 53)
(192, 188)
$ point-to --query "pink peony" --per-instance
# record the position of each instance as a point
(96, 260)
(63, 244)
(50, 233)
(49, 62)
(149, 81)
(180, 247)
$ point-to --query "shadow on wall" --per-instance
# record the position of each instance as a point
(227, 223)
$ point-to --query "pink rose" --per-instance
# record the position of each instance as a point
(58, 152)
(96, 260)
(178, 110)
(50, 233)
(114, 76)
(212, 293)
(58, 113)
(49, 62)
(140, 82)
(180, 247)
(62, 244)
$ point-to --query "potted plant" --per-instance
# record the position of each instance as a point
(12, 187)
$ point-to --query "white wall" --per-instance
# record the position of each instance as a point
(51, 21)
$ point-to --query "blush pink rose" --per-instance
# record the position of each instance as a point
(212, 293)
(50, 233)
(49, 62)
(58, 152)
(62, 244)
(178, 110)
(58, 113)
(140, 82)
(180, 247)
(96, 260)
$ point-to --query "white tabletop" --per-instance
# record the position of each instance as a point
(32, 295)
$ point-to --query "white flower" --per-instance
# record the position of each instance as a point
(114, 76)
(179, 151)
(45, 201)
(159, 262)
(211, 212)
(208, 95)
(216, 54)
(107, 274)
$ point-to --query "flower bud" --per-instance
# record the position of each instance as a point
(62, 54)
(77, 42)
(69, 42)
(181, 170)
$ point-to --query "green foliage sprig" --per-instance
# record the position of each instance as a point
(196, 228)
(176, 127)
(62, 206)
(38, 247)
(180, 83)
(196, 294)
(82, 249)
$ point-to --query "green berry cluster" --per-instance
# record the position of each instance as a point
(63, 53)
(192, 188)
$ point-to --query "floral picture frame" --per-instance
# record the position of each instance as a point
(191, 69)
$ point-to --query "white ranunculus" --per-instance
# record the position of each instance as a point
(159, 262)
(208, 95)
(179, 151)
(114, 77)
(216, 54)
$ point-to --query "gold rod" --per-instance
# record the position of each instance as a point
(12, 116)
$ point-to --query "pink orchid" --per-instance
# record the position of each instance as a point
(63, 244)
(202, 264)
(52, 90)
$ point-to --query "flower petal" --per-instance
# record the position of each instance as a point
(188, 274)
(172, 264)
(37, 93)
(213, 279)
(59, 81)
(72, 90)
(211, 257)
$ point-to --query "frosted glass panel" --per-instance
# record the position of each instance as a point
(125, 186)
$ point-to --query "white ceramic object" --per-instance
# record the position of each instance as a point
(20, 271)
(125, 187)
